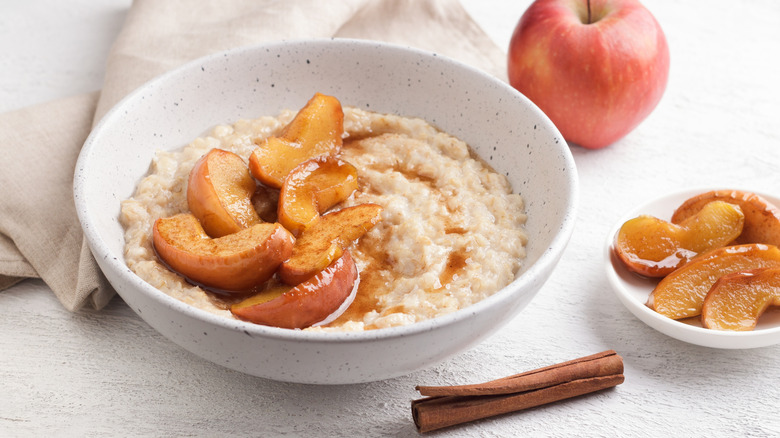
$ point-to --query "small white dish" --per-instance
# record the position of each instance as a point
(633, 290)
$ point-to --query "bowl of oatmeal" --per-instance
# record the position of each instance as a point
(477, 188)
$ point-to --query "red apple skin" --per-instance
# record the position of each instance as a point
(307, 303)
(219, 193)
(597, 81)
(233, 263)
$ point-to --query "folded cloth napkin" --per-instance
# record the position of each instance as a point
(40, 236)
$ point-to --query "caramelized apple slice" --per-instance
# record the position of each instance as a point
(326, 240)
(306, 304)
(654, 248)
(219, 193)
(736, 301)
(312, 188)
(681, 293)
(762, 218)
(236, 262)
(315, 131)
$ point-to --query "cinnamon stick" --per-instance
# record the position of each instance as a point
(447, 406)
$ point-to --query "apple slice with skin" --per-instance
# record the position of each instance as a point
(654, 247)
(303, 305)
(762, 218)
(316, 130)
(219, 193)
(737, 300)
(681, 293)
(233, 263)
(312, 188)
(326, 241)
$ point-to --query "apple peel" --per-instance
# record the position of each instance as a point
(762, 218)
(233, 263)
(219, 193)
(318, 300)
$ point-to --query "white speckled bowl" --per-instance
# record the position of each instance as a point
(503, 127)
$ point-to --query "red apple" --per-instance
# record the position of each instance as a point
(597, 68)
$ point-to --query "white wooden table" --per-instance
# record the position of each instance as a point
(107, 373)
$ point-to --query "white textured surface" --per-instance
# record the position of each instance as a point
(107, 373)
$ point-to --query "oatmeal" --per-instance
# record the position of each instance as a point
(451, 232)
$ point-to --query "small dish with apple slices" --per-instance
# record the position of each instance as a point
(660, 297)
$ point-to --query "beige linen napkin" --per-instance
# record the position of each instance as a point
(40, 236)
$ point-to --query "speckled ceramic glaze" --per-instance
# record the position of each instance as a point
(502, 126)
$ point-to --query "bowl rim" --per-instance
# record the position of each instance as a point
(547, 259)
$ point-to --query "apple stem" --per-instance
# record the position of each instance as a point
(588, 11)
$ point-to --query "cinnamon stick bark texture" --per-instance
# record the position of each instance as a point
(446, 406)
